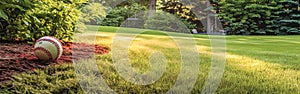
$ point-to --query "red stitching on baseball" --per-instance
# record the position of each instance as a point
(55, 39)
(53, 42)
(45, 50)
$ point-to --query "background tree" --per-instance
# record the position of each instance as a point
(152, 7)
(258, 17)
(183, 12)
(120, 13)
(252, 17)
(93, 14)
(289, 17)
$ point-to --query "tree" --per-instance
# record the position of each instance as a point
(152, 8)
(252, 17)
(120, 13)
(93, 13)
(289, 17)
(183, 11)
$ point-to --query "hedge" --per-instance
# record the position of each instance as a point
(28, 20)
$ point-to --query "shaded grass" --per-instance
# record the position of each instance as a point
(281, 50)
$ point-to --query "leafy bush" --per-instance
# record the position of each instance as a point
(119, 14)
(184, 12)
(29, 20)
(93, 13)
(166, 22)
(189, 25)
(80, 27)
(10, 13)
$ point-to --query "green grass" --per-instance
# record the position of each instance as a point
(132, 30)
(255, 64)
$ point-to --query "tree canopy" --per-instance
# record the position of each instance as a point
(252, 17)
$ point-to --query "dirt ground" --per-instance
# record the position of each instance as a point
(19, 57)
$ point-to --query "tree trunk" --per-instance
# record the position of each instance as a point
(209, 27)
(152, 8)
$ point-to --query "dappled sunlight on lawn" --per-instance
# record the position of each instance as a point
(244, 71)
(272, 74)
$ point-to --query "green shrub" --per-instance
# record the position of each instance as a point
(183, 12)
(80, 27)
(119, 14)
(166, 22)
(29, 20)
(93, 14)
(188, 24)
(11, 12)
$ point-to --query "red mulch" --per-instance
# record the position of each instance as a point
(19, 57)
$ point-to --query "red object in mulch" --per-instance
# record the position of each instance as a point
(19, 57)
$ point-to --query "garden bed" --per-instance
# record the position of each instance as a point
(19, 57)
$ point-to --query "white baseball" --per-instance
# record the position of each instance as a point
(48, 48)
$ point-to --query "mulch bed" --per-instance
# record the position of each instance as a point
(19, 57)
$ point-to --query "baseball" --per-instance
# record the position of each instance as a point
(48, 48)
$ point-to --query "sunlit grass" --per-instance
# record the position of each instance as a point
(255, 64)
(255, 75)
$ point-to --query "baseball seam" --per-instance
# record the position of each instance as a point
(44, 50)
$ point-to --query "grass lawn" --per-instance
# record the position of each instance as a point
(255, 64)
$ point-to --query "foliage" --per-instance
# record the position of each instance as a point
(29, 20)
(259, 17)
(119, 14)
(80, 27)
(189, 24)
(8, 10)
(252, 17)
(116, 3)
(166, 22)
(290, 24)
(108, 3)
(183, 12)
(58, 80)
(93, 14)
